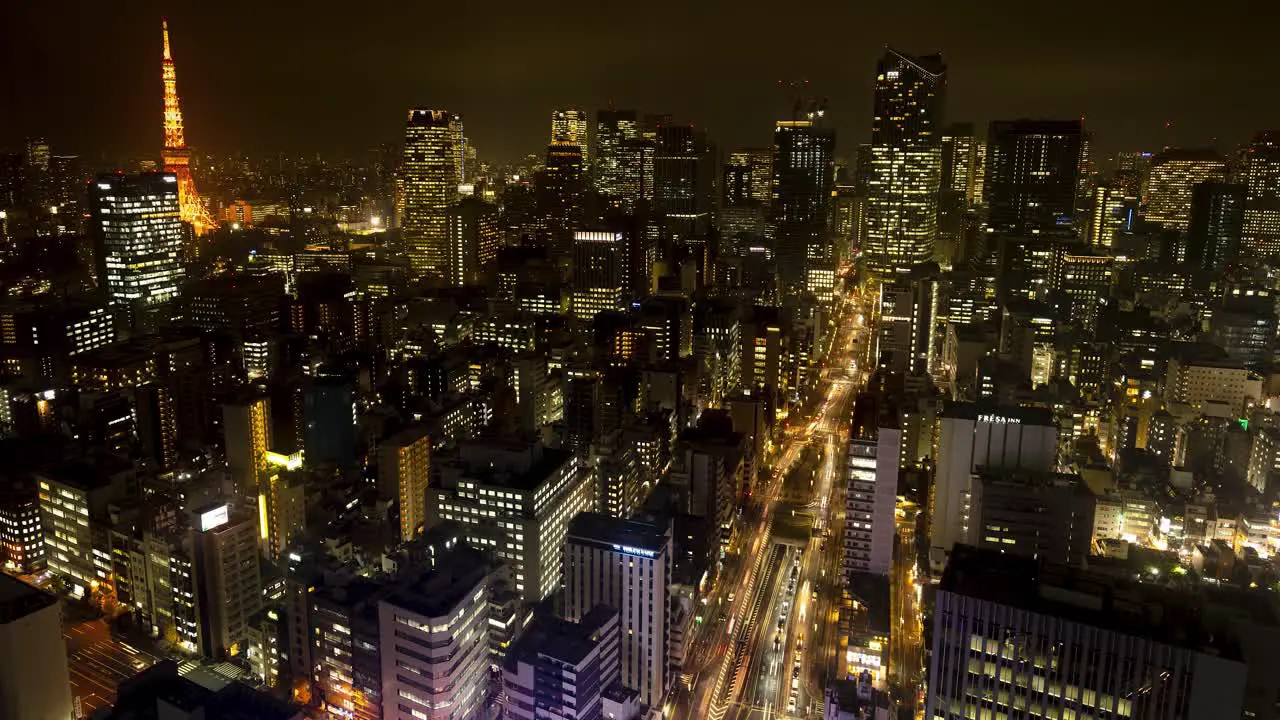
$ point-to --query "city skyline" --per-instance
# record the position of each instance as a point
(360, 73)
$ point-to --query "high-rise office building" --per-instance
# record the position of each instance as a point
(404, 469)
(1058, 641)
(684, 183)
(748, 177)
(1262, 178)
(1112, 215)
(560, 197)
(474, 236)
(570, 126)
(600, 272)
(614, 129)
(246, 426)
(626, 565)
(635, 170)
(904, 165)
(137, 236)
(34, 681)
(430, 174)
(522, 493)
(434, 640)
(908, 309)
(872, 484)
(803, 177)
(21, 534)
(1174, 173)
(972, 436)
(1219, 215)
(963, 163)
(1031, 172)
(227, 579)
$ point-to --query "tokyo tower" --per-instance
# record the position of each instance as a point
(177, 158)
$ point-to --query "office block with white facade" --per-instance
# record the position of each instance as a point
(981, 435)
(516, 498)
(434, 633)
(625, 564)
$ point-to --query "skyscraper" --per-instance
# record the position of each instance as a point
(1112, 214)
(570, 126)
(614, 129)
(1174, 173)
(177, 158)
(404, 469)
(1032, 167)
(1262, 177)
(684, 180)
(430, 174)
(905, 164)
(246, 426)
(963, 153)
(560, 194)
(137, 234)
(474, 235)
(600, 272)
(1219, 215)
(803, 176)
(752, 170)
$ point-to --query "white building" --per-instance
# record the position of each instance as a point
(1018, 639)
(869, 503)
(34, 682)
(978, 435)
(626, 565)
(522, 494)
(434, 640)
(1196, 382)
(560, 670)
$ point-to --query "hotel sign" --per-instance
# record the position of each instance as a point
(998, 419)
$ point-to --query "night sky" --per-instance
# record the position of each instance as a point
(336, 77)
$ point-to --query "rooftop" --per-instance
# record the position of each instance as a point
(1083, 596)
(18, 599)
(616, 531)
(438, 592)
(565, 641)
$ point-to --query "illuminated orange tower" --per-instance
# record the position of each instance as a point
(177, 159)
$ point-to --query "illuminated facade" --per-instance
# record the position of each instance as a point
(803, 177)
(1262, 214)
(905, 162)
(227, 579)
(599, 272)
(1022, 638)
(21, 534)
(246, 425)
(872, 484)
(1112, 215)
(177, 158)
(614, 129)
(1174, 173)
(570, 126)
(430, 173)
(524, 492)
(404, 469)
(434, 634)
(137, 235)
(626, 565)
(963, 163)
(474, 236)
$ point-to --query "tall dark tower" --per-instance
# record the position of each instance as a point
(1218, 219)
(803, 175)
(1032, 171)
(905, 164)
(683, 183)
(560, 190)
